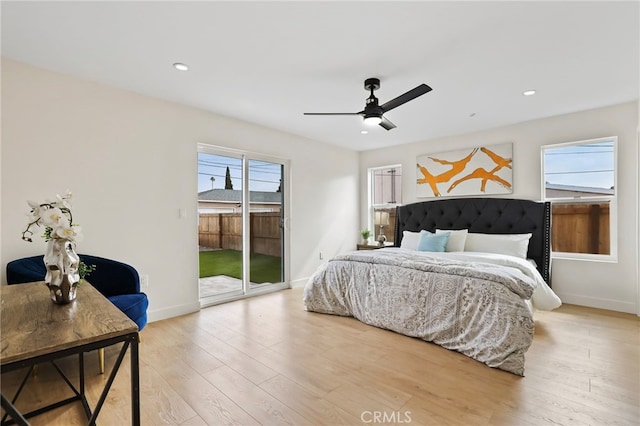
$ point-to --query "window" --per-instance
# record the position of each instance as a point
(385, 184)
(579, 179)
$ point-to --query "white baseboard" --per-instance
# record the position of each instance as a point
(299, 283)
(173, 311)
(593, 302)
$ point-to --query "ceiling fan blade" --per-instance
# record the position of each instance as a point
(331, 113)
(387, 124)
(406, 97)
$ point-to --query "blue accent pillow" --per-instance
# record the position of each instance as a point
(433, 242)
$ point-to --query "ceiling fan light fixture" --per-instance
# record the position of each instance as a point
(373, 112)
(372, 120)
(180, 66)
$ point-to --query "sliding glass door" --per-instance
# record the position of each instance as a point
(242, 224)
(220, 229)
(266, 223)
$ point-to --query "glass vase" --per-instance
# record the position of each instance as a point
(62, 275)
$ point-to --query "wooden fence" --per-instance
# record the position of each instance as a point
(577, 228)
(224, 231)
(580, 228)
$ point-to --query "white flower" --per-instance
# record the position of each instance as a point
(54, 217)
(64, 201)
(73, 233)
(34, 216)
(36, 211)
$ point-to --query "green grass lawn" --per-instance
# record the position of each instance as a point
(263, 268)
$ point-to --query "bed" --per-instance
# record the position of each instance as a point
(476, 293)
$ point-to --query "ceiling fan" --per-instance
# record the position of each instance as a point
(372, 112)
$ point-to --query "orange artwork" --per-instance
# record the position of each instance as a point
(485, 170)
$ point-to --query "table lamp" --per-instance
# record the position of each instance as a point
(381, 220)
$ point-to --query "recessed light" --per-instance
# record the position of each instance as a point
(364, 132)
(180, 66)
(529, 92)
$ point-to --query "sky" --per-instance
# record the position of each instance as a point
(589, 165)
(263, 175)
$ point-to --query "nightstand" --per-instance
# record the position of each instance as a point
(372, 246)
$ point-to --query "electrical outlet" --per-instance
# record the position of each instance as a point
(144, 281)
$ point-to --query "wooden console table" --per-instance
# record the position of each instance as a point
(35, 330)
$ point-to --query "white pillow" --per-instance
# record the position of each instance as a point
(410, 240)
(510, 244)
(457, 238)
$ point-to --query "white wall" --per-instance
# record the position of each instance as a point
(605, 285)
(131, 163)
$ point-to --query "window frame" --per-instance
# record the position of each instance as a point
(611, 199)
(249, 290)
(371, 207)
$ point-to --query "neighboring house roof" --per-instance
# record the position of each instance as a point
(581, 189)
(235, 196)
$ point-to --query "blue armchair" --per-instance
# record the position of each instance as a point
(117, 281)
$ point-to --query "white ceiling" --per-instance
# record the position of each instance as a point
(268, 62)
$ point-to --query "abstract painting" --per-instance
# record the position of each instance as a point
(474, 171)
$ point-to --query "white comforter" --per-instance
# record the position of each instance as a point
(543, 297)
(474, 303)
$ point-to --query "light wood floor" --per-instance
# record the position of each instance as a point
(267, 361)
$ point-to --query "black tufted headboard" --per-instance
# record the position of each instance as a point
(487, 216)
